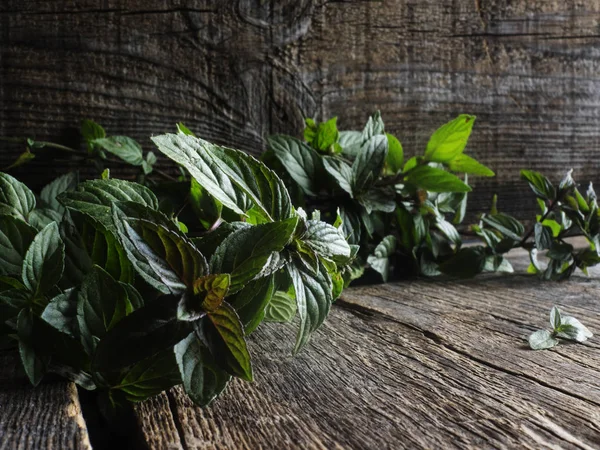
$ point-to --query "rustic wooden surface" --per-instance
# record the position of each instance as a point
(419, 364)
(237, 70)
(47, 417)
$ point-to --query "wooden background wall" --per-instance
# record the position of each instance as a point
(235, 71)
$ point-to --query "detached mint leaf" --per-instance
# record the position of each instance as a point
(450, 140)
(16, 199)
(44, 261)
(15, 238)
(555, 318)
(436, 180)
(542, 340)
(573, 329)
(202, 379)
(299, 160)
(380, 259)
(123, 147)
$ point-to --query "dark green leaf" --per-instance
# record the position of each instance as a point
(450, 140)
(33, 363)
(225, 335)
(202, 379)
(380, 259)
(299, 160)
(90, 131)
(250, 253)
(206, 207)
(560, 251)
(44, 261)
(16, 199)
(543, 236)
(466, 263)
(15, 238)
(505, 224)
(142, 334)
(325, 240)
(369, 162)
(378, 199)
(341, 172)
(51, 191)
(436, 180)
(123, 147)
(313, 298)
(251, 301)
(61, 312)
(207, 244)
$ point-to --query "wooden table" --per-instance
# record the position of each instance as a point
(418, 364)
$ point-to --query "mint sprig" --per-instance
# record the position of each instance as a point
(563, 327)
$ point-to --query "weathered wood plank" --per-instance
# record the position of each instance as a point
(48, 416)
(413, 365)
(235, 71)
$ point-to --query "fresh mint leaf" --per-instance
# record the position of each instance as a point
(207, 209)
(573, 329)
(325, 240)
(373, 127)
(543, 236)
(15, 238)
(341, 172)
(542, 340)
(435, 180)
(465, 164)
(251, 301)
(51, 191)
(250, 253)
(225, 335)
(326, 135)
(299, 160)
(16, 199)
(44, 261)
(466, 263)
(202, 379)
(450, 140)
(555, 318)
(90, 131)
(281, 308)
(380, 259)
(395, 156)
(369, 162)
(33, 363)
(540, 185)
(351, 142)
(123, 147)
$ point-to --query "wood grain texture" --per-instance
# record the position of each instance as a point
(46, 417)
(412, 365)
(236, 70)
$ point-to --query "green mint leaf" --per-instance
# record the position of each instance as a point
(282, 308)
(44, 261)
(369, 162)
(380, 259)
(16, 199)
(33, 363)
(299, 160)
(150, 377)
(51, 191)
(465, 164)
(94, 198)
(555, 318)
(540, 185)
(105, 175)
(373, 127)
(207, 209)
(581, 202)
(567, 183)
(543, 236)
(310, 131)
(196, 156)
(225, 336)
(251, 301)
(21, 160)
(202, 379)
(542, 340)
(497, 263)
(341, 172)
(90, 131)
(325, 240)
(250, 253)
(61, 312)
(314, 297)
(212, 289)
(123, 147)
(450, 140)
(182, 129)
(395, 156)
(207, 244)
(147, 331)
(505, 224)
(573, 329)
(158, 250)
(378, 199)
(466, 263)
(327, 134)
(560, 251)
(351, 143)
(15, 238)
(436, 180)
(101, 303)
